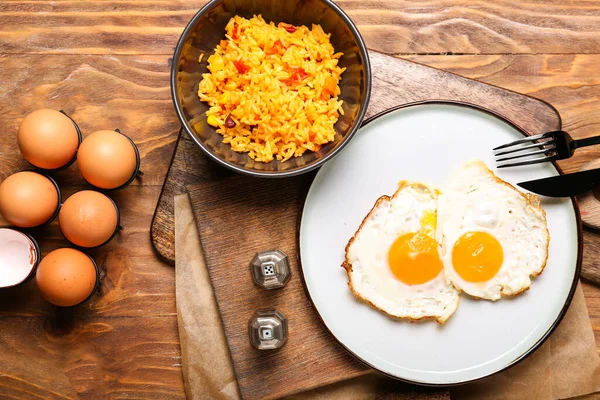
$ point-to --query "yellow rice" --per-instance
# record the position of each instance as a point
(278, 84)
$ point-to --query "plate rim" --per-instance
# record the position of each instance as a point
(572, 290)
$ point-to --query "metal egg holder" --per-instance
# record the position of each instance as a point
(45, 172)
(268, 327)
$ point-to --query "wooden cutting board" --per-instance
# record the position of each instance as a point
(237, 217)
(395, 82)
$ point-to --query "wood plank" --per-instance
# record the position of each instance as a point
(67, 356)
(52, 353)
(268, 219)
(389, 26)
(592, 300)
(101, 352)
(100, 92)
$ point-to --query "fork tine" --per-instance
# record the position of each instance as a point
(536, 161)
(533, 153)
(531, 146)
(525, 140)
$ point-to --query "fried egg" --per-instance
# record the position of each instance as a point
(493, 238)
(393, 261)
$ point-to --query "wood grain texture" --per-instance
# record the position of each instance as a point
(98, 92)
(391, 26)
(591, 292)
(569, 82)
(270, 214)
(589, 205)
(45, 60)
(66, 356)
(124, 341)
(311, 358)
(134, 282)
(186, 168)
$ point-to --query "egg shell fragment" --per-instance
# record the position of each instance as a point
(18, 257)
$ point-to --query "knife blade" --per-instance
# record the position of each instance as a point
(564, 185)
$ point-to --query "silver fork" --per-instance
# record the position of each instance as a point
(549, 146)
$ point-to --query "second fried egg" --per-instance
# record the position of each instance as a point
(493, 237)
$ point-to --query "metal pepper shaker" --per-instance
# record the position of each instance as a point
(270, 269)
(268, 329)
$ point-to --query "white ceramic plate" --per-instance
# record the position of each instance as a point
(427, 142)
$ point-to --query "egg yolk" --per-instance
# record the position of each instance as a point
(477, 256)
(429, 222)
(414, 259)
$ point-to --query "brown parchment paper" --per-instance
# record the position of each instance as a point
(207, 367)
(565, 366)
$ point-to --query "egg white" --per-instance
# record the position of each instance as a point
(369, 275)
(476, 200)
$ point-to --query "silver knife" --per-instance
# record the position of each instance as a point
(564, 185)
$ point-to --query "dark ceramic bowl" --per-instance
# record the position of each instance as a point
(202, 35)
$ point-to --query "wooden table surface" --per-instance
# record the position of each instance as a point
(106, 63)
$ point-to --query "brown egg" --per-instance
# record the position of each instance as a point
(66, 277)
(28, 199)
(88, 218)
(106, 159)
(48, 139)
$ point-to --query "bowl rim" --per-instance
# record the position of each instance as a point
(272, 174)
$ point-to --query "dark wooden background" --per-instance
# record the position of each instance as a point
(106, 63)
